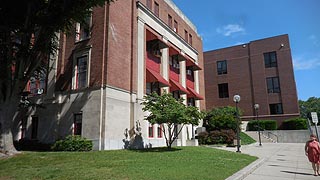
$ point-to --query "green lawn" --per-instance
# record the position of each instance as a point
(182, 163)
(245, 139)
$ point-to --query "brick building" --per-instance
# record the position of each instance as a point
(101, 72)
(260, 71)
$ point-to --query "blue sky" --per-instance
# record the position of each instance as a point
(226, 23)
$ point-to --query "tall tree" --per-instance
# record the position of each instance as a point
(27, 37)
(169, 112)
(311, 105)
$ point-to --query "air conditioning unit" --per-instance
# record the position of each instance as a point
(176, 66)
(40, 91)
(157, 53)
(189, 104)
(174, 29)
(189, 72)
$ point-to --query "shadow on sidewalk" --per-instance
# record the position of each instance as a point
(291, 172)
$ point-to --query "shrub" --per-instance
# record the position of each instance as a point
(264, 125)
(217, 137)
(73, 143)
(294, 124)
(221, 118)
(203, 137)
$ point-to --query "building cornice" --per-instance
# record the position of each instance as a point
(145, 10)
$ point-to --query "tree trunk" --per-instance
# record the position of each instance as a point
(8, 111)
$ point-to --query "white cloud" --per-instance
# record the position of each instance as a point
(313, 38)
(230, 29)
(305, 64)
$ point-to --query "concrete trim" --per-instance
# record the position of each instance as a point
(247, 170)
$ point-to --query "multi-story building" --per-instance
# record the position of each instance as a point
(102, 71)
(260, 71)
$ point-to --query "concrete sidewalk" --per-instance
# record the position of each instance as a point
(277, 161)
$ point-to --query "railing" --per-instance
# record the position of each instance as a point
(267, 133)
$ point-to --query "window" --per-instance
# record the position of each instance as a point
(77, 124)
(175, 26)
(153, 87)
(37, 83)
(156, 9)
(169, 21)
(191, 102)
(82, 68)
(273, 85)
(174, 62)
(190, 39)
(149, 4)
(186, 35)
(160, 131)
(176, 94)
(83, 29)
(34, 127)
(276, 108)
(223, 90)
(270, 59)
(150, 131)
(222, 67)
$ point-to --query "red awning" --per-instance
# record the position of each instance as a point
(194, 94)
(153, 76)
(190, 62)
(177, 86)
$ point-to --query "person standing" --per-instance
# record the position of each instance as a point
(312, 149)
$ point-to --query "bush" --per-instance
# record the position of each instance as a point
(264, 125)
(217, 137)
(294, 124)
(73, 143)
(203, 137)
(221, 118)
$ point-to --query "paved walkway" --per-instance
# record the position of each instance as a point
(277, 161)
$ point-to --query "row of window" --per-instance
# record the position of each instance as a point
(270, 60)
(172, 23)
(273, 86)
(152, 128)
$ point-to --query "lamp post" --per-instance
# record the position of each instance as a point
(256, 108)
(236, 99)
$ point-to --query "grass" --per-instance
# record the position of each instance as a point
(245, 139)
(156, 164)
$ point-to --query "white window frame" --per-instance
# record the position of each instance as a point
(78, 36)
(77, 54)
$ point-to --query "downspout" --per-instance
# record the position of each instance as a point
(251, 79)
(102, 88)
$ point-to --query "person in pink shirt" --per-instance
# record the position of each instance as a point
(312, 149)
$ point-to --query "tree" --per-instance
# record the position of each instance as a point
(221, 118)
(311, 105)
(167, 110)
(28, 35)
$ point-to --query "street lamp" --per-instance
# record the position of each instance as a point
(236, 99)
(256, 108)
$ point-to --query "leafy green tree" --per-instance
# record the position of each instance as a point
(221, 118)
(311, 105)
(28, 35)
(165, 109)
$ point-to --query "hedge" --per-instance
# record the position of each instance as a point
(73, 143)
(294, 124)
(264, 125)
(224, 136)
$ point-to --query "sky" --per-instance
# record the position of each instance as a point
(224, 23)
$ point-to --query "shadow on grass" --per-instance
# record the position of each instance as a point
(156, 150)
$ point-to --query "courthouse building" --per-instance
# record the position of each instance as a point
(260, 71)
(102, 71)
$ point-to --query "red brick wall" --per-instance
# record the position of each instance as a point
(120, 60)
(247, 77)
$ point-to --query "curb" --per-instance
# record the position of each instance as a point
(247, 170)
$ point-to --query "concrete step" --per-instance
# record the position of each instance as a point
(255, 135)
